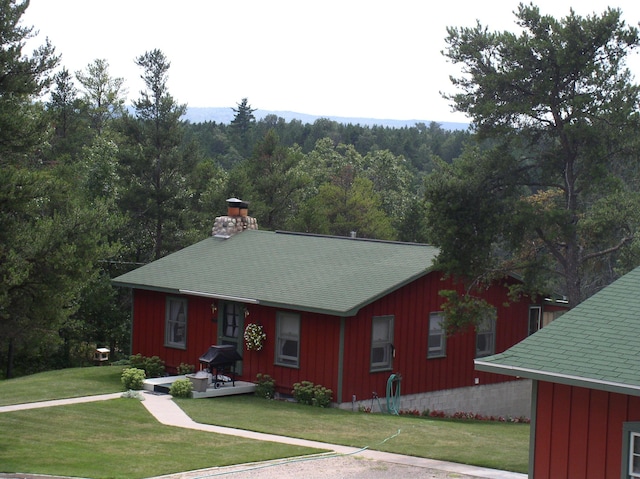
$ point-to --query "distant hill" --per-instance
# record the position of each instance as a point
(225, 115)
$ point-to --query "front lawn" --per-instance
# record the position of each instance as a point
(61, 384)
(496, 445)
(97, 439)
(118, 439)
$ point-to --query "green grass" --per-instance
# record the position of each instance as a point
(120, 439)
(60, 384)
(502, 446)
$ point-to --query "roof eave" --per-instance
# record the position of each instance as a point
(548, 376)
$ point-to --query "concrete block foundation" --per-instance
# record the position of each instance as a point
(508, 399)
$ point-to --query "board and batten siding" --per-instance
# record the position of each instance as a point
(319, 341)
(319, 356)
(149, 328)
(410, 306)
(578, 431)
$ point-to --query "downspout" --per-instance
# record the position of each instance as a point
(340, 359)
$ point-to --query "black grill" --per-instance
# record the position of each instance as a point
(220, 359)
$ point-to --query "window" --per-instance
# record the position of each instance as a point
(232, 320)
(535, 319)
(382, 343)
(631, 449)
(437, 342)
(486, 338)
(175, 335)
(288, 339)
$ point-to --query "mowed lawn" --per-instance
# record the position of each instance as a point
(120, 439)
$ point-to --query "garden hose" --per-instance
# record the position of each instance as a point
(393, 394)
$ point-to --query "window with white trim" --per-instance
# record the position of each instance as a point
(486, 338)
(288, 339)
(175, 330)
(382, 343)
(437, 341)
(631, 450)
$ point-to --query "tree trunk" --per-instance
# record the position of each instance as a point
(10, 355)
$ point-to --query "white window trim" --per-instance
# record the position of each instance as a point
(441, 350)
(386, 344)
(486, 329)
(631, 438)
(282, 359)
(169, 323)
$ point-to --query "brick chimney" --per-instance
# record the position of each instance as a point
(236, 220)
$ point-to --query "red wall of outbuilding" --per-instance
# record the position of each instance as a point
(578, 431)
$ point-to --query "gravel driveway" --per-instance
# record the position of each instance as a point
(340, 467)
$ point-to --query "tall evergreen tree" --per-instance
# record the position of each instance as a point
(22, 79)
(103, 95)
(241, 126)
(155, 166)
(560, 106)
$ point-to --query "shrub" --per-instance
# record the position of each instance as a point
(306, 392)
(303, 392)
(181, 388)
(153, 366)
(322, 396)
(132, 378)
(130, 394)
(185, 368)
(265, 386)
(137, 361)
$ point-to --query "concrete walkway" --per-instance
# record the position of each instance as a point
(167, 412)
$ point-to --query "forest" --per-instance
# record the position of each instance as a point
(544, 185)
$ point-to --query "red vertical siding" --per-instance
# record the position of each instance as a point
(411, 306)
(579, 431)
(320, 339)
(579, 428)
(148, 329)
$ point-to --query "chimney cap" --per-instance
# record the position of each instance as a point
(237, 202)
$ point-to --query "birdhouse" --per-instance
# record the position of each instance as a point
(101, 355)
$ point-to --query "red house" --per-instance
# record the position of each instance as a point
(345, 313)
(585, 369)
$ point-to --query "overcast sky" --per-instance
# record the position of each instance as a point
(352, 58)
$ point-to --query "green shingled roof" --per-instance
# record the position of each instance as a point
(595, 345)
(331, 275)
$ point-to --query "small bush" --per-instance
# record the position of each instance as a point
(322, 396)
(137, 361)
(181, 388)
(131, 394)
(153, 366)
(303, 392)
(132, 378)
(185, 368)
(306, 392)
(265, 386)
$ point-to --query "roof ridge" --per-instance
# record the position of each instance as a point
(371, 240)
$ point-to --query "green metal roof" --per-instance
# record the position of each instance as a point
(327, 274)
(595, 345)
